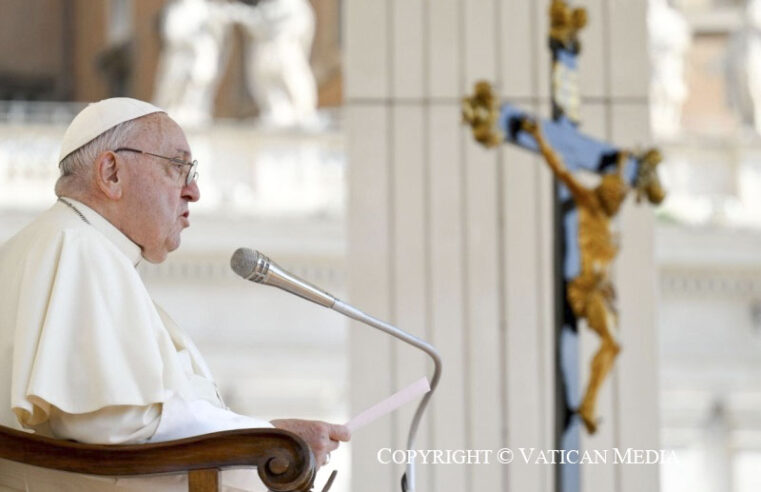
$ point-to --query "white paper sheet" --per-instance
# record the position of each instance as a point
(415, 390)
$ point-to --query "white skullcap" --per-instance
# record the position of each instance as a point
(100, 117)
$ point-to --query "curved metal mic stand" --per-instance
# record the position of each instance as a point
(253, 265)
(408, 479)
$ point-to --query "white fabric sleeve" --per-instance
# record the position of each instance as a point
(110, 425)
(175, 419)
(181, 418)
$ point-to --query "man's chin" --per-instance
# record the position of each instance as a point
(153, 257)
(158, 255)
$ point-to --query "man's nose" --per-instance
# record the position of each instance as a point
(191, 192)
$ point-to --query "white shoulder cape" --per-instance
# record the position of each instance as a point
(86, 333)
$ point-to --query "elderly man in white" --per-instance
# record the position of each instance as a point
(86, 354)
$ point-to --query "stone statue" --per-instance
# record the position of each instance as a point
(279, 42)
(743, 68)
(670, 39)
(190, 67)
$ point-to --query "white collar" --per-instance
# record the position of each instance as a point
(102, 225)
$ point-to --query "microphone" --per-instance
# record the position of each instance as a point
(256, 267)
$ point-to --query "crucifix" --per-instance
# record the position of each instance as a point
(586, 245)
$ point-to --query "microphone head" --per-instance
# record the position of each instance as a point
(250, 264)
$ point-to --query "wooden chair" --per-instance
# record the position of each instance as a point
(283, 460)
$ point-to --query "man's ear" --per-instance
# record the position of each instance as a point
(109, 175)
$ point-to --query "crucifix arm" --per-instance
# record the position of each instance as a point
(554, 161)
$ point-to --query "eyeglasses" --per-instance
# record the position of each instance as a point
(192, 166)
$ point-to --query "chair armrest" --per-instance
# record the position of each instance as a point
(283, 460)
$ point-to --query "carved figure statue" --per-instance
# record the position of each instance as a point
(591, 293)
(670, 39)
(743, 68)
(280, 35)
(193, 32)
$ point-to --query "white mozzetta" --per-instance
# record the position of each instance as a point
(88, 355)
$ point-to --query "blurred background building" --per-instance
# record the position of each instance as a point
(707, 248)
(260, 87)
(707, 245)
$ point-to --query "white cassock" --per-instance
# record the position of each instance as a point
(86, 355)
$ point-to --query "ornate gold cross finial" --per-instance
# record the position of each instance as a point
(481, 111)
(565, 24)
(647, 183)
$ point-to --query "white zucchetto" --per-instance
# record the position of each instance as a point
(100, 117)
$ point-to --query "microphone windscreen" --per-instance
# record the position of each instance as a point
(243, 262)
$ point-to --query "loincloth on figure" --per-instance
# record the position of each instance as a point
(591, 287)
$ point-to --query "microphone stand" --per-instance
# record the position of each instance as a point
(253, 265)
(408, 479)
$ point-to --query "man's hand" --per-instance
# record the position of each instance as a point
(322, 437)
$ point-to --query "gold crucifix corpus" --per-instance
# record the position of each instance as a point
(591, 293)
